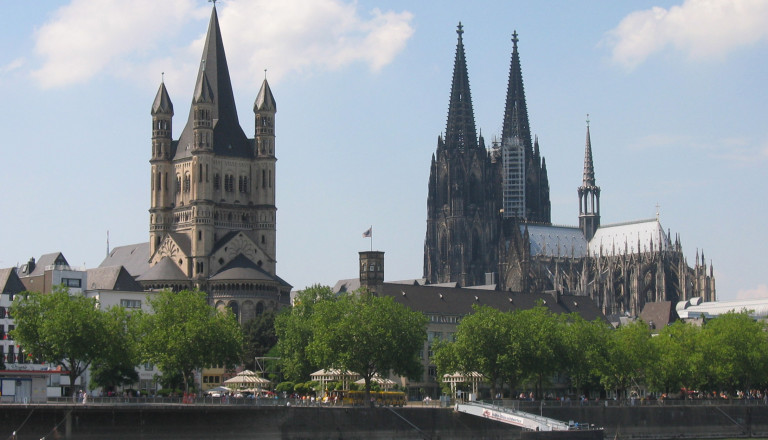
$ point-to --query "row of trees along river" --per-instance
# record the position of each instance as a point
(373, 335)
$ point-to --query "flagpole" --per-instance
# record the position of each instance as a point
(371, 238)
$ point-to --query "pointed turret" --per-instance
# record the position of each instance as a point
(228, 137)
(589, 167)
(265, 101)
(589, 194)
(162, 104)
(460, 131)
(264, 109)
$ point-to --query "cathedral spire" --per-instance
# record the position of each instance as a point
(589, 194)
(460, 131)
(515, 111)
(589, 168)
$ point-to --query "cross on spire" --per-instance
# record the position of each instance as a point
(460, 29)
(514, 39)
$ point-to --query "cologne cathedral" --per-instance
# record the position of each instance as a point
(489, 219)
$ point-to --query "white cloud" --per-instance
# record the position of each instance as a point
(13, 65)
(86, 38)
(697, 28)
(761, 291)
(119, 38)
(303, 35)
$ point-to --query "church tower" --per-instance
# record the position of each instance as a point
(213, 211)
(459, 245)
(589, 195)
(516, 132)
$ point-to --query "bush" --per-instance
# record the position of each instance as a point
(287, 387)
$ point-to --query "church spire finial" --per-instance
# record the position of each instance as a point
(514, 40)
(460, 130)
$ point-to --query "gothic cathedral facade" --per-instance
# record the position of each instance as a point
(213, 212)
(489, 218)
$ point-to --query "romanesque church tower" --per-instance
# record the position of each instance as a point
(213, 212)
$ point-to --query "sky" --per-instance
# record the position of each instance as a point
(675, 91)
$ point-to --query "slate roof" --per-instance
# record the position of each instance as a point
(164, 270)
(459, 301)
(265, 100)
(10, 282)
(112, 278)
(134, 257)
(349, 285)
(228, 136)
(242, 268)
(623, 238)
(52, 259)
(658, 314)
(556, 241)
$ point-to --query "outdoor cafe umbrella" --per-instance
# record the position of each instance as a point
(387, 384)
(247, 378)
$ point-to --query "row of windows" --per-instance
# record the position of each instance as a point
(130, 303)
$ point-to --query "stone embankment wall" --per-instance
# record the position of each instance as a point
(670, 421)
(232, 422)
(193, 422)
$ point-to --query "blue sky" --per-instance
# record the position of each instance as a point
(675, 91)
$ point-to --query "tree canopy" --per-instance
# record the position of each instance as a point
(294, 332)
(369, 335)
(63, 329)
(184, 333)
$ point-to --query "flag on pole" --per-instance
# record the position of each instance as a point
(368, 233)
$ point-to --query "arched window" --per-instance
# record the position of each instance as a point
(259, 308)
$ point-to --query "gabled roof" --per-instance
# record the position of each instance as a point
(10, 282)
(658, 314)
(624, 238)
(134, 257)
(349, 285)
(164, 270)
(112, 278)
(556, 241)
(47, 260)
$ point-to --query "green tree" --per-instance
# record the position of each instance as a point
(483, 343)
(260, 336)
(117, 366)
(184, 333)
(736, 350)
(368, 335)
(587, 344)
(63, 329)
(676, 358)
(541, 335)
(294, 331)
(628, 352)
